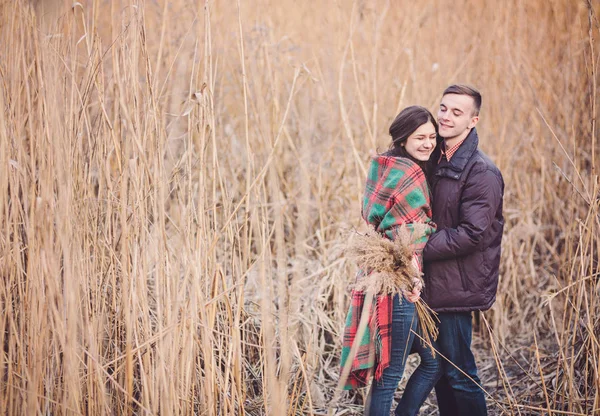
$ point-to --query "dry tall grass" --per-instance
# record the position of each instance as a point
(177, 180)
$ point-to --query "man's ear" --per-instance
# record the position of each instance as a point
(473, 121)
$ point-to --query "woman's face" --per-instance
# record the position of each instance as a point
(421, 142)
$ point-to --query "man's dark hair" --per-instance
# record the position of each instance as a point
(462, 89)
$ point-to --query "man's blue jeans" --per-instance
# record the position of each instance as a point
(456, 393)
(404, 318)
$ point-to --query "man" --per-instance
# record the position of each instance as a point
(462, 258)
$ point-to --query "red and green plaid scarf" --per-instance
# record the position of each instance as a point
(396, 193)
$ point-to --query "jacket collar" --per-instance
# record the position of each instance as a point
(459, 161)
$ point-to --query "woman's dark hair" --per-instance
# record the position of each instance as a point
(405, 124)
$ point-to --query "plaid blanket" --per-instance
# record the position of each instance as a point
(396, 193)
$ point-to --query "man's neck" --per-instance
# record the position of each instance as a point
(453, 141)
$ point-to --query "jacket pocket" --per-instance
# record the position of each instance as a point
(463, 277)
(474, 271)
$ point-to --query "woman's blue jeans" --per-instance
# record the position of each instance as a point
(421, 382)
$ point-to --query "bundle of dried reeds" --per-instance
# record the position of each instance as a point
(387, 267)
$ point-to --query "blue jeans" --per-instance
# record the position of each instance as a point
(404, 318)
(456, 394)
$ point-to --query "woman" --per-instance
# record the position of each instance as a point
(396, 197)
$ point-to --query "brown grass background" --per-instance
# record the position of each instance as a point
(178, 180)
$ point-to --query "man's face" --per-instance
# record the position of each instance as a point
(456, 116)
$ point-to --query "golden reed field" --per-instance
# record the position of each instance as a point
(178, 180)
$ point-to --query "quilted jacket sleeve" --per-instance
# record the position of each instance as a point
(481, 197)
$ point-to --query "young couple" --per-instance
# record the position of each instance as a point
(432, 174)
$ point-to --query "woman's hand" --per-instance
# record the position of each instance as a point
(415, 293)
(417, 284)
